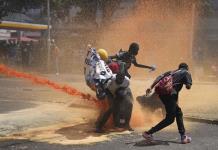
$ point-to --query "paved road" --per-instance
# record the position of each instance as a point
(25, 106)
(204, 137)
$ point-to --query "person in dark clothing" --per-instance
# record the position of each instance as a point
(25, 54)
(129, 57)
(170, 100)
(114, 89)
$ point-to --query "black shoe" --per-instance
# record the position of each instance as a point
(130, 129)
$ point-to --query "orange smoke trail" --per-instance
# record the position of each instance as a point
(42, 81)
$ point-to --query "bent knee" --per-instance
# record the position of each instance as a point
(170, 119)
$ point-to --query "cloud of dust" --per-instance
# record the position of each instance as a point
(143, 117)
(164, 34)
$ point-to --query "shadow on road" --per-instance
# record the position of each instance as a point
(25, 144)
(79, 132)
(143, 143)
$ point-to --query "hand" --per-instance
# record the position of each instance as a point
(100, 94)
(89, 46)
(188, 86)
(153, 67)
(148, 91)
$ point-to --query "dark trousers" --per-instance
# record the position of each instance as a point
(103, 118)
(120, 107)
(172, 111)
(123, 110)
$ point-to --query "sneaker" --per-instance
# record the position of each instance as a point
(147, 136)
(185, 139)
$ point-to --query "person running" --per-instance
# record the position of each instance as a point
(168, 86)
(129, 57)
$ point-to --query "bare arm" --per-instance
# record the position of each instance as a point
(142, 66)
(113, 57)
(155, 82)
(188, 79)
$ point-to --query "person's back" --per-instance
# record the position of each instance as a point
(167, 86)
(172, 81)
(125, 57)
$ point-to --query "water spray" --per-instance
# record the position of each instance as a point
(51, 84)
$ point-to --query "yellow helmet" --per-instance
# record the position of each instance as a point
(103, 54)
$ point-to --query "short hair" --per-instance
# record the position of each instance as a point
(134, 46)
(183, 65)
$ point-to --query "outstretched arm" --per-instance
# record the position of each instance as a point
(113, 57)
(142, 66)
(148, 91)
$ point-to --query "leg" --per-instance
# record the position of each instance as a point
(179, 121)
(169, 119)
(170, 106)
(116, 112)
(123, 109)
(128, 117)
(126, 108)
(57, 65)
(103, 119)
(129, 111)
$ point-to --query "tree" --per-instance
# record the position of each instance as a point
(60, 7)
(89, 7)
(12, 6)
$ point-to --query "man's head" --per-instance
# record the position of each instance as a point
(103, 54)
(183, 66)
(134, 48)
(120, 78)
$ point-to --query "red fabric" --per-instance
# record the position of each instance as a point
(114, 66)
(165, 85)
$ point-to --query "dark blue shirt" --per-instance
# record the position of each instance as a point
(180, 77)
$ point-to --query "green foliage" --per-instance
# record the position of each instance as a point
(12, 6)
(89, 7)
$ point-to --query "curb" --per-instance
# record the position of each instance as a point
(201, 120)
